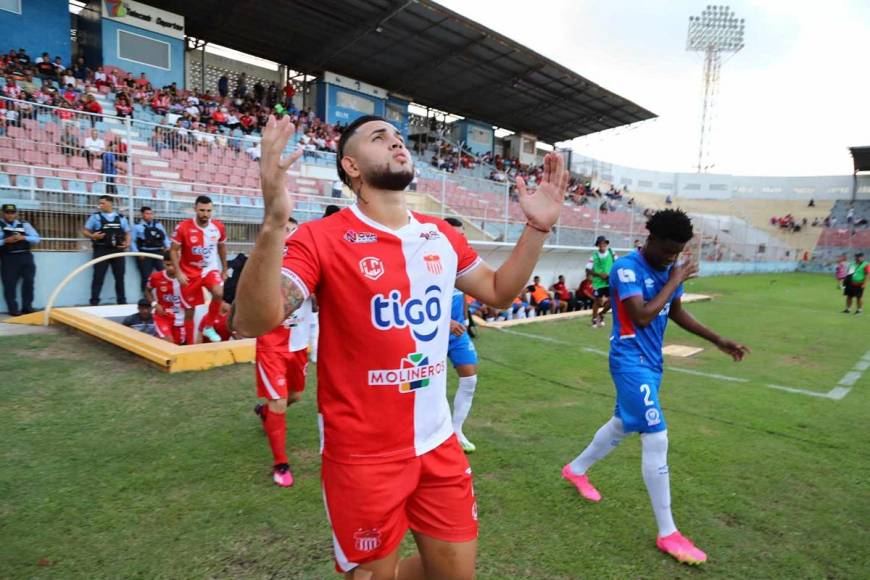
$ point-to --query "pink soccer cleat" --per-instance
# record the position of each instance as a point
(282, 476)
(681, 549)
(581, 482)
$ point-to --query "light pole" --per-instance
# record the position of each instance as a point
(715, 31)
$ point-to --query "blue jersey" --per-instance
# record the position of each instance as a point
(457, 307)
(631, 347)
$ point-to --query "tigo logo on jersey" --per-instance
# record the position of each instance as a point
(360, 237)
(430, 235)
(433, 264)
(367, 540)
(371, 268)
(414, 373)
(423, 316)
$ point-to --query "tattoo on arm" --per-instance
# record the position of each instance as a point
(292, 295)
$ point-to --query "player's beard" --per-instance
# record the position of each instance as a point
(384, 178)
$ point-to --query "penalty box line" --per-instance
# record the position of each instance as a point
(837, 393)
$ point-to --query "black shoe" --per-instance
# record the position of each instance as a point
(846, 311)
(28, 311)
(13, 313)
(260, 411)
(122, 301)
(94, 302)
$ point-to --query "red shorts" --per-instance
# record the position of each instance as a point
(279, 373)
(191, 293)
(165, 326)
(370, 507)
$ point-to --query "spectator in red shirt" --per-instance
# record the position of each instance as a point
(562, 295)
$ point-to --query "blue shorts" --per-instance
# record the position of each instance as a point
(637, 401)
(461, 351)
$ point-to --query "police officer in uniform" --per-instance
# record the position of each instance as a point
(17, 260)
(109, 233)
(149, 235)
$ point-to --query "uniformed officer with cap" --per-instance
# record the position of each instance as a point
(17, 260)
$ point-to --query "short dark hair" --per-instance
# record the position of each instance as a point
(167, 256)
(345, 137)
(145, 208)
(107, 198)
(672, 225)
(331, 209)
(455, 222)
(143, 303)
(202, 199)
(292, 220)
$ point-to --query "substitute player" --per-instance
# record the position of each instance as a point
(199, 254)
(384, 277)
(163, 291)
(463, 355)
(646, 288)
(599, 266)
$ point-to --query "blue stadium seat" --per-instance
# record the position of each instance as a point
(51, 183)
(163, 193)
(98, 188)
(76, 186)
(25, 181)
(144, 192)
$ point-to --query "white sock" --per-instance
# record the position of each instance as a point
(654, 465)
(462, 402)
(606, 439)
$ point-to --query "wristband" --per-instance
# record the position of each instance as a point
(536, 228)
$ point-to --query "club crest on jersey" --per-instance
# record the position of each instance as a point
(194, 239)
(414, 373)
(367, 540)
(433, 235)
(360, 237)
(423, 316)
(433, 264)
(371, 267)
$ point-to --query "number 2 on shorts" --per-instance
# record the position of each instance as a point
(646, 393)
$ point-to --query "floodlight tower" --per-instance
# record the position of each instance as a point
(715, 31)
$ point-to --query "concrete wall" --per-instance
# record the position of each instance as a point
(159, 77)
(42, 26)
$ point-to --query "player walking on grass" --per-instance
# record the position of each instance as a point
(199, 254)
(463, 355)
(281, 365)
(384, 277)
(163, 291)
(646, 287)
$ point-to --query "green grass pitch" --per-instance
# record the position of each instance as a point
(111, 468)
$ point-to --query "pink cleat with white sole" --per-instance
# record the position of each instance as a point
(282, 476)
(681, 549)
(581, 482)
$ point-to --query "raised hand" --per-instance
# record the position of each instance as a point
(682, 271)
(543, 206)
(273, 170)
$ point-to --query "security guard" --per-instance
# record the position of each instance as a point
(109, 232)
(149, 235)
(17, 260)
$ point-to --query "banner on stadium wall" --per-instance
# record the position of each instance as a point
(354, 85)
(143, 16)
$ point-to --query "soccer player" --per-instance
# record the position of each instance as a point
(463, 355)
(199, 254)
(384, 277)
(855, 282)
(599, 265)
(647, 286)
(281, 365)
(163, 291)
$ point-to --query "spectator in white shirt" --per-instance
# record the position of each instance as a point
(94, 146)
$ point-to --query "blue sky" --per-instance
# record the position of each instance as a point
(790, 102)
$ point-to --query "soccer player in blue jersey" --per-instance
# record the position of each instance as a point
(463, 355)
(646, 287)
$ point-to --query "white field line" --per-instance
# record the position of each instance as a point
(836, 393)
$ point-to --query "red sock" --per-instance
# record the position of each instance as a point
(214, 310)
(189, 332)
(276, 430)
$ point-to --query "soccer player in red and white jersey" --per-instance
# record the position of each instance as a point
(163, 291)
(281, 364)
(384, 277)
(199, 253)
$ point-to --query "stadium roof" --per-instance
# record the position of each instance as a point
(418, 49)
(861, 158)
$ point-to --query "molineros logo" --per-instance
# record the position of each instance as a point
(415, 373)
(116, 8)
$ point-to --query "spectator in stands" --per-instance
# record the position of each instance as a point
(562, 296)
(94, 146)
(812, 203)
(539, 297)
(45, 68)
(27, 85)
(67, 79)
(69, 141)
(223, 86)
(23, 59)
(241, 86)
(149, 235)
(289, 92)
(109, 169)
(109, 233)
(637, 245)
(850, 215)
(123, 106)
(272, 94)
(142, 320)
(17, 260)
(80, 71)
(91, 105)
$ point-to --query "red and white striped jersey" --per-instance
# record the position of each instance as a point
(167, 293)
(199, 246)
(384, 300)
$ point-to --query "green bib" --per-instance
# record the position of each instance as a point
(859, 271)
(601, 266)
